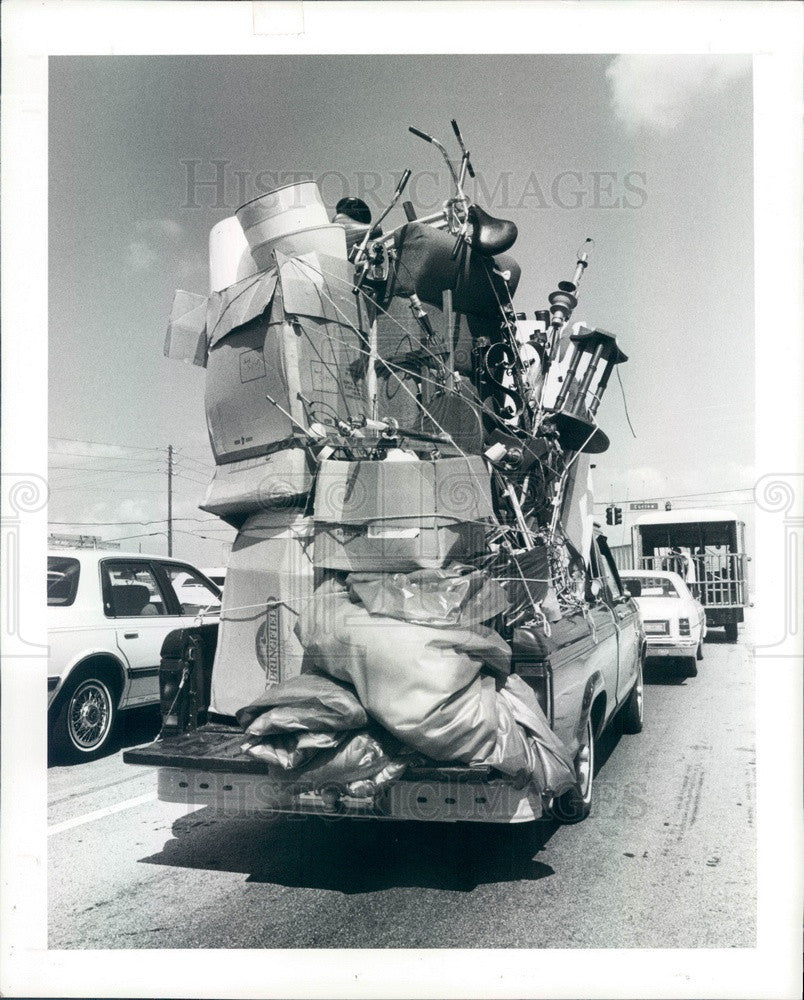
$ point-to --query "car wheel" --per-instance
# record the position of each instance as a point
(699, 651)
(731, 632)
(575, 805)
(86, 718)
(691, 667)
(632, 713)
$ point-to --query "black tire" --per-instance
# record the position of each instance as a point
(631, 717)
(699, 651)
(731, 632)
(690, 667)
(576, 804)
(86, 719)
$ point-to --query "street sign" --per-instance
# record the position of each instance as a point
(644, 505)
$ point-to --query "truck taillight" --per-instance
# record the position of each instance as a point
(684, 626)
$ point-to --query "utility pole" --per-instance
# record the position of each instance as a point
(170, 501)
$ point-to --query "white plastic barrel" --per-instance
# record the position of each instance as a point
(229, 255)
(277, 214)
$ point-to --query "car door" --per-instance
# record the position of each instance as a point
(144, 612)
(627, 621)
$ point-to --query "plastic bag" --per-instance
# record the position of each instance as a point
(309, 702)
(455, 595)
(421, 683)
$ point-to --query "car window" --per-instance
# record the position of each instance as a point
(131, 591)
(654, 586)
(62, 580)
(608, 577)
(192, 591)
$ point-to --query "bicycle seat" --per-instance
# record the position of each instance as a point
(490, 236)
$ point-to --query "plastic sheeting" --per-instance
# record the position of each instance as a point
(455, 596)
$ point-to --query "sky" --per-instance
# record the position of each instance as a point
(651, 156)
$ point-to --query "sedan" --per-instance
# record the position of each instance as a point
(674, 622)
(108, 615)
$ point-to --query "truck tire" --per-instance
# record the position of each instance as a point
(575, 805)
(699, 651)
(631, 716)
(86, 718)
(731, 632)
(690, 667)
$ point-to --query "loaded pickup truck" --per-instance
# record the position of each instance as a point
(586, 670)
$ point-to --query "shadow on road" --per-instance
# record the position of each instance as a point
(666, 671)
(354, 856)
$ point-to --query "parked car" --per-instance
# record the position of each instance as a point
(108, 615)
(674, 621)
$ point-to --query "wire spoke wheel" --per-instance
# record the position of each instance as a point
(89, 715)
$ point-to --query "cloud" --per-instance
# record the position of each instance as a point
(658, 92)
(154, 239)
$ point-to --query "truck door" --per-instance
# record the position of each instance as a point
(626, 619)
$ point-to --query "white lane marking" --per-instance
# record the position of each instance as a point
(68, 824)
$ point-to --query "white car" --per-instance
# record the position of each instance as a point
(674, 622)
(108, 615)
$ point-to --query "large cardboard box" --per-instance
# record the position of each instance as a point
(283, 333)
(270, 579)
(399, 516)
(280, 479)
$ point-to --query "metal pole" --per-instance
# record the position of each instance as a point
(170, 501)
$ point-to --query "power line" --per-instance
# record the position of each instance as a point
(114, 524)
(104, 444)
(681, 496)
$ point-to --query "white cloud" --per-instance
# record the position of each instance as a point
(165, 228)
(658, 92)
(154, 240)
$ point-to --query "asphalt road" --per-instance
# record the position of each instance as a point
(667, 858)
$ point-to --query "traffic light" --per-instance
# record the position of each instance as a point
(618, 515)
(609, 515)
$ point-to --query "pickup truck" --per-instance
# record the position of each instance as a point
(585, 673)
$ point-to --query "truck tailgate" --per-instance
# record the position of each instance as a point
(207, 767)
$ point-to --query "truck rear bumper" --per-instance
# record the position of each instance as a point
(676, 649)
(444, 800)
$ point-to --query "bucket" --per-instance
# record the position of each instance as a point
(328, 239)
(277, 213)
(229, 255)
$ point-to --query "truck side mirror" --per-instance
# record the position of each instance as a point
(634, 588)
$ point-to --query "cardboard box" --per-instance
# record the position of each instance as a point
(399, 516)
(269, 580)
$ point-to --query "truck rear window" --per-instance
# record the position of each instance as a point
(62, 580)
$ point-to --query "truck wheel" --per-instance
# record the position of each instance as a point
(575, 805)
(731, 632)
(690, 667)
(632, 713)
(699, 651)
(86, 718)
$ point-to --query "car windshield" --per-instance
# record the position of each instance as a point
(653, 586)
(62, 580)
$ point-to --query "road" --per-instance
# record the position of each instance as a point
(666, 860)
